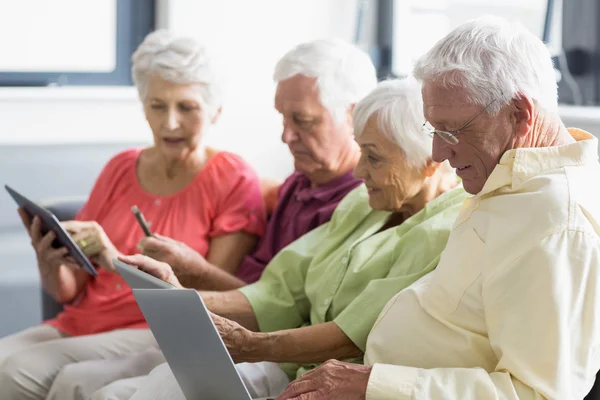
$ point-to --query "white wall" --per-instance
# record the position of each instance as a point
(246, 37)
(54, 115)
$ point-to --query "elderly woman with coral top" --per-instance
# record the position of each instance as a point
(211, 201)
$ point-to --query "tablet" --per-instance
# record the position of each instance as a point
(137, 279)
(51, 223)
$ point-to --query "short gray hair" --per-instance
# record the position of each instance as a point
(344, 73)
(398, 106)
(492, 59)
(180, 60)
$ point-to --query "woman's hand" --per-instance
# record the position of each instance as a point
(48, 258)
(93, 241)
(150, 266)
(187, 264)
(60, 274)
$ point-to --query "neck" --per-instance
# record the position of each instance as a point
(192, 162)
(547, 131)
(346, 163)
(442, 181)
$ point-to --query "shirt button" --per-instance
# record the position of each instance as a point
(157, 202)
(518, 181)
(325, 303)
(297, 198)
(118, 286)
(344, 260)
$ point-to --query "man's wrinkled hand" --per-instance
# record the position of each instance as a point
(332, 380)
(185, 262)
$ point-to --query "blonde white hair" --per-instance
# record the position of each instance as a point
(180, 60)
(492, 59)
(398, 107)
(344, 73)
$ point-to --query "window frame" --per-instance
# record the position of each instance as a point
(135, 19)
(384, 53)
(580, 53)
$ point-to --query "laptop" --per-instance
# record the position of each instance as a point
(51, 223)
(191, 344)
(137, 279)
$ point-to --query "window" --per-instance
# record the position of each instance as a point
(72, 42)
(579, 60)
(419, 24)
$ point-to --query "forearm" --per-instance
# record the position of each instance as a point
(211, 278)
(227, 252)
(62, 283)
(232, 305)
(307, 345)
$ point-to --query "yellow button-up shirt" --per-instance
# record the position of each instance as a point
(513, 309)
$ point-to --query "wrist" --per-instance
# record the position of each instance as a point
(257, 347)
(195, 269)
(110, 252)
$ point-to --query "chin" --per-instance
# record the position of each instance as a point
(176, 153)
(376, 205)
(472, 187)
(306, 168)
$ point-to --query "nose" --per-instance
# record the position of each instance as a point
(360, 171)
(441, 150)
(172, 120)
(289, 134)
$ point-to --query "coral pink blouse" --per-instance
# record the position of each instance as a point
(225, 197)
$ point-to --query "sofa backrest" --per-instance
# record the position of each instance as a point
(43, 172)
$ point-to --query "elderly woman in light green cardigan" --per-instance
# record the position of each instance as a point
(320, 296)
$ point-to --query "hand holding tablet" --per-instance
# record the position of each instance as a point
(48, 222)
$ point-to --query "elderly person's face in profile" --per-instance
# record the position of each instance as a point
(481, 142)
(177, 115)
(309, 129)
(390, 179)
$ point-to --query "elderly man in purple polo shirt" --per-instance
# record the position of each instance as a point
(318, 84)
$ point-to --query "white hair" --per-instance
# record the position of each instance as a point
(180, 60)
(344, 73)
(398, 106)
(492, 59)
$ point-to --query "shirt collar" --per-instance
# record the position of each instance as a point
(325, 192)
(519, 165)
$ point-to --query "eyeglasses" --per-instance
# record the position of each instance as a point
(450, 136)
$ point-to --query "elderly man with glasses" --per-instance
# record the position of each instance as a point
(512, 310)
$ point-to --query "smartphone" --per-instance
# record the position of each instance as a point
(141, 220)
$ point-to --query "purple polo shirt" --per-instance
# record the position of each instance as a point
(300, 209)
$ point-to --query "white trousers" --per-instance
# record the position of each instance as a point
(80, 380)
(31, 360)
(262, 380)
